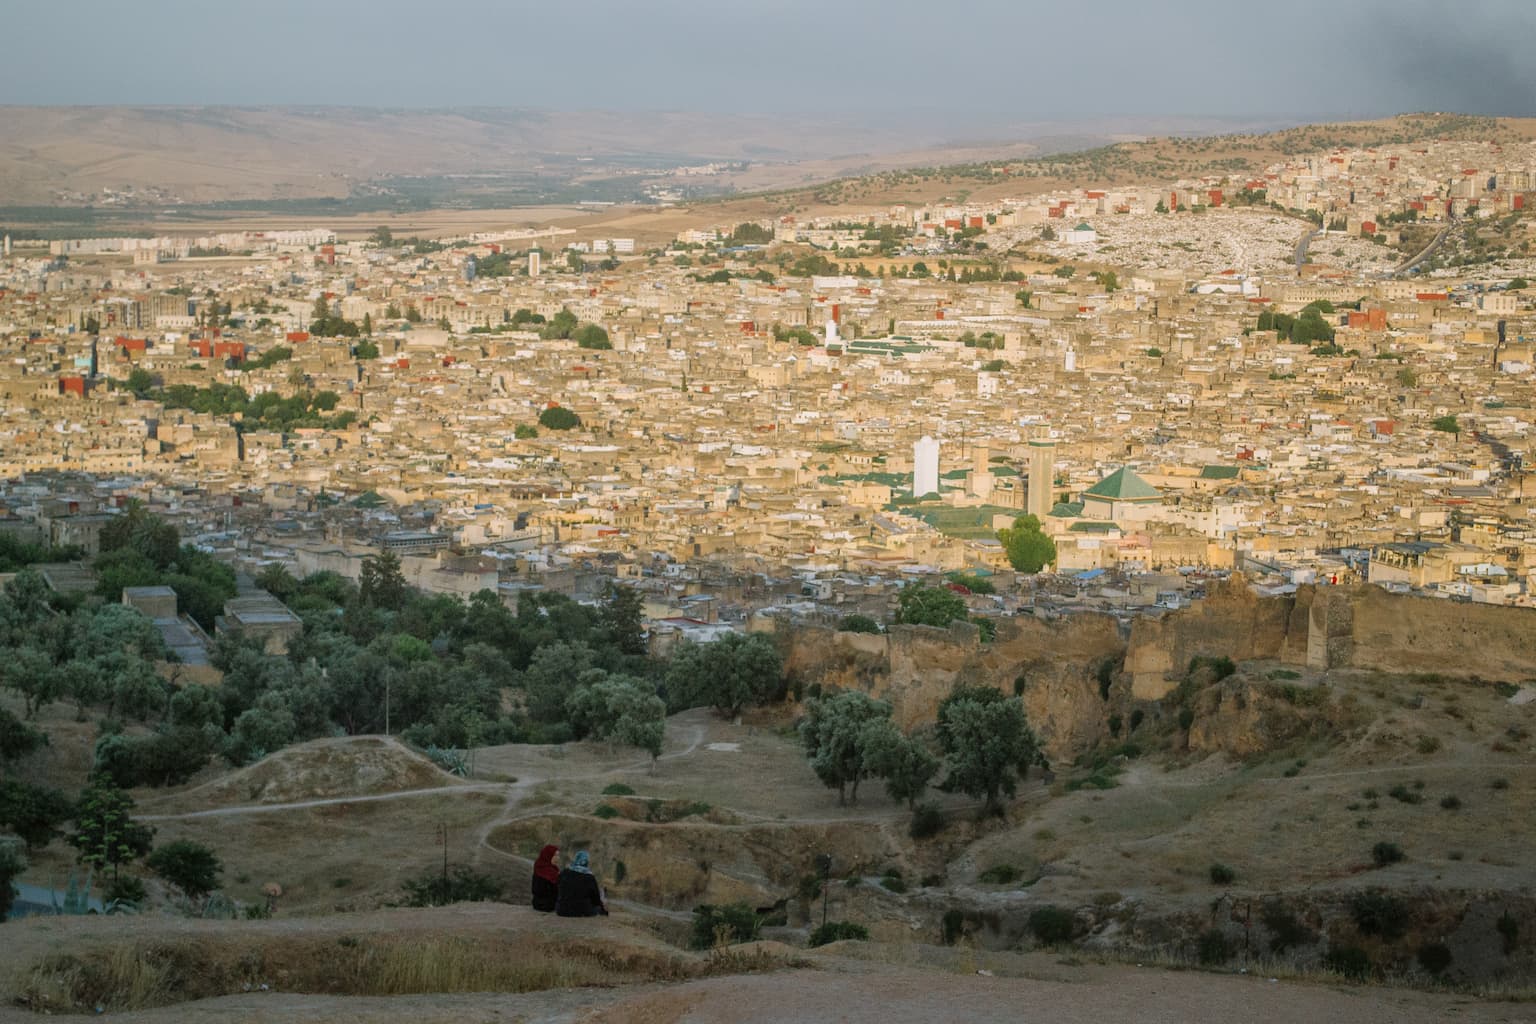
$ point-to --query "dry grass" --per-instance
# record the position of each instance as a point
(139, 974)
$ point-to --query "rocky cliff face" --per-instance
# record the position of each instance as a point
(1068, 669)
(1054, 666)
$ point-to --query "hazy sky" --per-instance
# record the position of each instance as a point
(1013, 59)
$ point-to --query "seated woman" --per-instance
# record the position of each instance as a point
(546, 880)
(580, 895)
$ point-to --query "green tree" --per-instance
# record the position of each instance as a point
(726, 674)
(622, 618)
(140, 381)
(1446, 424)
(1407, 378)
(837, 733)
(105, 833)
(382, 237)
(525, 432)
(12, 863)
(259, 730)
(558, 417)
(366, 350)
(189, 866)
(620, 709)
(381, 584)
(554, 673)
(987, 745)
(142, 531)
(1028, 548)
(33, 812)
(592, 336)
(904, 762)
(921, 605)
(17, 738)
(276, 580)
(561, 325)
(858, 624)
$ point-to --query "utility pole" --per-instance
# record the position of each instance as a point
(442, 837)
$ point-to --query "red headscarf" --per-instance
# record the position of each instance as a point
(544, 867)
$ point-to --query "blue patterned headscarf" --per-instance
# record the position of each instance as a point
(581, 863)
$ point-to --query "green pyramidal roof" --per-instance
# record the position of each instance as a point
(1123, 485)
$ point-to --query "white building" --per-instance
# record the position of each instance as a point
(925, 466)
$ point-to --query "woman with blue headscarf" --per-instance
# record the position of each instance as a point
(579, 893)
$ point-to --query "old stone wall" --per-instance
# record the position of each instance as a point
(1057, 665)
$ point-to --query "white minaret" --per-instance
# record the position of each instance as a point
(925, 467)
(533, 263)
(831, 333)
(7, 245)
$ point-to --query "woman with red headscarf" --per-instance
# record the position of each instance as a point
(546, 880)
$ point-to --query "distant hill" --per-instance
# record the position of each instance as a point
(159, 156)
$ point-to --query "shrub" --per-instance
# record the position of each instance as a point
(1427, 744)
(124, 889)
(1499, 784)
(838, 931)
(722, 924)
(1434, 957)
(605, 811)
(1384, 853)
(1378, 913)
(1350, 961)
(463, 885)
(1285, 930)
(1000, 874)
(927, 821)
(189, 866)
(1451, 802)
(1221, 667)
(1222, 875)
(1509, 930)
(618, 789)
(1051, 926)
(1214, 948)
(1402, 794)
(894, 883)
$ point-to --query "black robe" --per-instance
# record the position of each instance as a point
(545, 894)
(579, 895)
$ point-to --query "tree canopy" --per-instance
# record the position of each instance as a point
(726, 674)
(1026, 545)
(921, 605)
(557, 417)
(987, 743)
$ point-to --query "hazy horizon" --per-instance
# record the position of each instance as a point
(977, 64)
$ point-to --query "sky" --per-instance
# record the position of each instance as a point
(966, 59)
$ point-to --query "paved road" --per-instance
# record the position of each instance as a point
(1301, 247)
(1426, 252)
